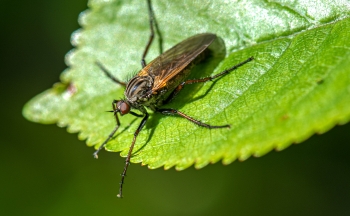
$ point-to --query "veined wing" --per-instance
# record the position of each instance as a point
(174, 60)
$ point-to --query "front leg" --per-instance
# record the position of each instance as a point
(114, 107)
(127, 161)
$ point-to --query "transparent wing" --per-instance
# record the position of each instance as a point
(174, 60)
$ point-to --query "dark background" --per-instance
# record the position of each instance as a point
(47, 171)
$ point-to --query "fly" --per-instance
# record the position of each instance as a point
(159, 82)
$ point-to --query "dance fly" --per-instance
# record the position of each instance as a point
(158, 82)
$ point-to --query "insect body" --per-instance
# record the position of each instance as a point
(159, 82)
(152, 85)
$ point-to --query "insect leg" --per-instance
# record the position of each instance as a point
(169, 111)
(151, 21)
(127, 161)
(135, 114)
(179, 87)
(112, 133)
(109, 74)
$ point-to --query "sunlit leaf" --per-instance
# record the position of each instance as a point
(298, 84)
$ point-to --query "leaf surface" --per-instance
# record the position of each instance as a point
(298, 84)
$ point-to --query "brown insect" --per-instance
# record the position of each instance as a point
(159, 82)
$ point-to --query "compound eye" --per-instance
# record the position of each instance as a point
(123, 107)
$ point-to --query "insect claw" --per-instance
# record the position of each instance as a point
(119, 196)
(95, 155)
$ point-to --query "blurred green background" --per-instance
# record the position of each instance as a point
(47, 171)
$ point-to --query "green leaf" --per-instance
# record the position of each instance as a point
(298, 84)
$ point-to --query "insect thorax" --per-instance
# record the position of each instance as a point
(137, 91)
